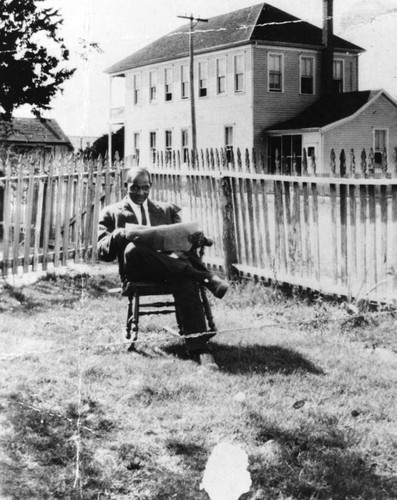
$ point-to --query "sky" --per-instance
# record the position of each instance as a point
(121, 27)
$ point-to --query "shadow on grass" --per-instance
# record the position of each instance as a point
(41, 451)
(255, 359)
(39, 457)
(316, 460)
(53, 290)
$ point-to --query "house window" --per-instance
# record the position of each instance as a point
(137, 89)
(184, 82)
(185, 146)
(221, 76)
(229, 143)
(153, 86)
(380, 138)
(168, 84)
(153, 145)
(338, 77)
(275, 72)
(136, 145)
(307, 75)
(202, 84)
(282, 152)
(239, 73)
(168, 144)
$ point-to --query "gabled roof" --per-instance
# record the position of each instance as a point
(328, 110)
(248, 25)
(33, 131)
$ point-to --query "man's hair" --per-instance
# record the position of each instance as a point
(135, 172)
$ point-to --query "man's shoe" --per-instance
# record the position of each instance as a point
(217, 286)
(206, 360)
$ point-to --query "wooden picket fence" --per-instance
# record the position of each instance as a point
(51, 210)
(336, 234)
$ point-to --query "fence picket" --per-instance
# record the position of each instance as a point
(67, 214)
(343, 230)
(383, 233)
(49, 189)
(334, 239)
(96, 210)
(58, 219)
(38, 225)
(352, 262)
(316, 241)
(372, 231)
(306, 219)
(6, 217)
(18, 216)
(296, 231)
(363, 234)
(28, 217)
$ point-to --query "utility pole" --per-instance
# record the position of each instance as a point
(191, 76)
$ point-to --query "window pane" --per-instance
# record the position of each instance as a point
(275, 63)
(239, 63)
(221, 64)
(307, 85)
(275, 73)
(307, 66)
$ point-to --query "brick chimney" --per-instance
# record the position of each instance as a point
(327, 51)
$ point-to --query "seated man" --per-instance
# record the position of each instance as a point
(138, 262)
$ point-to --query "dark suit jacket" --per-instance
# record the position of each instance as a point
(118, 215)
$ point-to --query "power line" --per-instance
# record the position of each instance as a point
(191, 56)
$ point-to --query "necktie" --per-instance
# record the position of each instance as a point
(143, 216)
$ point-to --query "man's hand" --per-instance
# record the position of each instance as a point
(119, 235)
(197, 239)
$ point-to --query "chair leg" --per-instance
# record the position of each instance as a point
(135, 319)
(207, 309)
(129, 318)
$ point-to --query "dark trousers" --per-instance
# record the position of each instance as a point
(183, 274)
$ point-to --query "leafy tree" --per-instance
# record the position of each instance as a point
(100, 146)
(32, 55)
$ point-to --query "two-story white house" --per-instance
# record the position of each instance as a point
(263, 79)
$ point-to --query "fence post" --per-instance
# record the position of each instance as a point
(228, 230)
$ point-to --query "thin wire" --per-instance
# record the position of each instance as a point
(77, 480)
(242, 27)
(285, 324)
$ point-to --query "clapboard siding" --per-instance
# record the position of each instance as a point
(357, 133)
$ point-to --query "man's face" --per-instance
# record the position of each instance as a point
(139, 188)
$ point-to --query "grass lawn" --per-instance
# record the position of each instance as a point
(311, 400)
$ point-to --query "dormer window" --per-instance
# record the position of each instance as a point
(307, 75)
(275, 72)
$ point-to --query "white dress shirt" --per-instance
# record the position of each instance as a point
(137, 211)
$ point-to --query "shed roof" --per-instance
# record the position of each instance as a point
(33, 131)
(258, 23)
(327, 110)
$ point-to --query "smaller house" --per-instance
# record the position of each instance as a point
(351, 121)
(39, 134)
